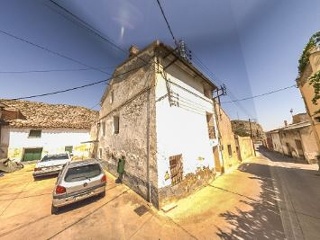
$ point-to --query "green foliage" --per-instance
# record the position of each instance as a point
(304, 59)
(314, 80)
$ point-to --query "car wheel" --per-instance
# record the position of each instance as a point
(103, 194)
(54, 210)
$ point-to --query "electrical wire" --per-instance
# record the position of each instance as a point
(230, 94)
(88, 27)
(208, 70)
(263, 94)
(51, 51)
(61, 91)
(79, 87)
(85, 26)
(165, 18)
(44, 71)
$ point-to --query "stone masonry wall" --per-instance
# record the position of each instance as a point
(133, 102)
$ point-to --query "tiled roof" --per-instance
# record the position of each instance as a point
(43, 115)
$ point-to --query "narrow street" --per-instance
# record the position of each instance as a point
(297, 186)
(267, 197)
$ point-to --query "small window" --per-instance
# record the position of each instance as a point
(298, 144)
(111, 96)
(68, 149)
(116, 121)
(229, 150)
(100, 153)
(103, 128)
(35, 134)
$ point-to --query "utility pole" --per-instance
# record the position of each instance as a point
(251, 135)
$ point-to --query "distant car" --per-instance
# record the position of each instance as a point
(51, 164)
(77, 181)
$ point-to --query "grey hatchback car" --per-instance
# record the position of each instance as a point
(78, 180)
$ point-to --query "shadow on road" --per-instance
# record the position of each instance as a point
(279, 157)
(263, 222)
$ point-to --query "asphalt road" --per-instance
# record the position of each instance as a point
(267, 197)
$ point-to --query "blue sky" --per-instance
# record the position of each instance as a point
(251, 46)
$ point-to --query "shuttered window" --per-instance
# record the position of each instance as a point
(176, 169)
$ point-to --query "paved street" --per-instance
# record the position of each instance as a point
(262, 199)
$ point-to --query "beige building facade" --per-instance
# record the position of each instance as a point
(229, 148)
(297, 140)
(307, 90)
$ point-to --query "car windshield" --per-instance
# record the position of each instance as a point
(54, 157)
(82, 172)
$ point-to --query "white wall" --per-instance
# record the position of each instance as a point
(182, 128)
(51, 140)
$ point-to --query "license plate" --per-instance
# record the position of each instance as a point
(81, 196)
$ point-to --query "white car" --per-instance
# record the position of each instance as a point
(78, 180)
(51, 164)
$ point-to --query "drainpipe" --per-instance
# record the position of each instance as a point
(148, 148)
(251, 135)
(1, 109)
(0, 136)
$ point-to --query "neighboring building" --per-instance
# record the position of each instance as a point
(244, 146)
(157, 111)
(309, 67)
(229, 147)
(274, 141)
(31, 129)
(297, 140)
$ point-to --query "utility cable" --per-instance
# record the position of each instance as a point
(79, 87)
(89, 28)
(263, 94)
(51, 51)
(230, 93)
(86, 26)
(45, 71)
(61, 91)
(168, 25)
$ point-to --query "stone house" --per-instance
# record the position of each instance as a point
(296, 140)
(311, 68)
(244, 146)
(229, 148)
(157, 111)
(233, 148)
(274, 142)
(31, 129)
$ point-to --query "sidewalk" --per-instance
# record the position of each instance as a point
(237, 205)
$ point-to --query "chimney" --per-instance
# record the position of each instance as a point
(285, 123)
(133, 51)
